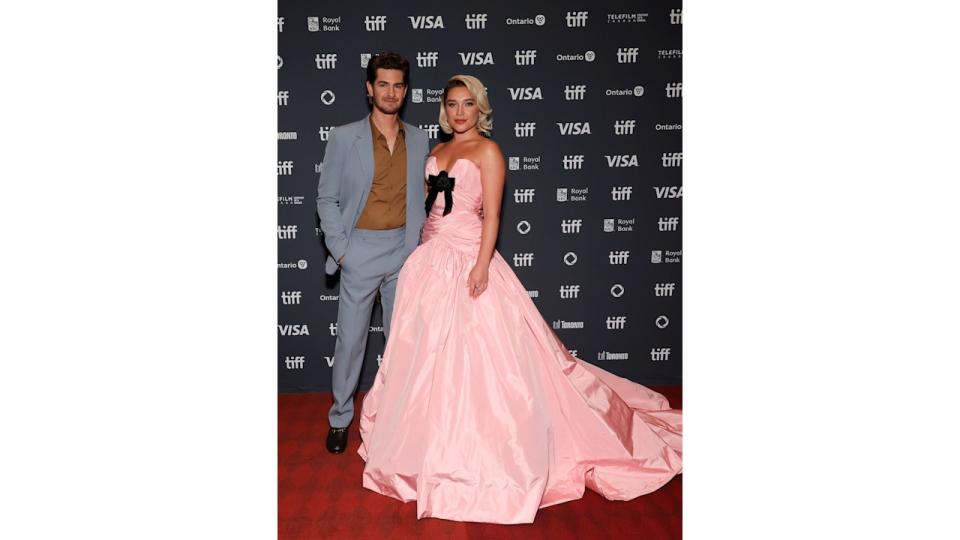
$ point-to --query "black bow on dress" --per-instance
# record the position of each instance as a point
(440, 182)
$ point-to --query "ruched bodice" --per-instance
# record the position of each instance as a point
(461, 227)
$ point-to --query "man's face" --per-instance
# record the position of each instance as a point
(388, 90)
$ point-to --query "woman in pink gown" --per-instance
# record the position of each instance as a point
(478, 411)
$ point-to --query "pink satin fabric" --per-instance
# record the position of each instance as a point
(479, 412)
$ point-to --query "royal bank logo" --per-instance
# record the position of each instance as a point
(298, 265)
(523, 227)
(627, 55)
(294, 362)
(327, 97)
(576, 19)
(668, 127)
(658, 256)
(280, 24)
(620, 161)
(523, 195)
(528, 93)
(587, 56)
(621, 193)
(526, 163)
(624, 127)
(669, 54)
(426, 22)
(416, 95)
(665, 224)
(476, 21)
(326, 60)
(476, 58)
(330, 24)
(676, 16)
(284, 168)
(671, 159)
(282, 97)
(571, 226)
(668, 192)
(618, 322)
(660, 354)
(539, 20)
(427, 59)
(606, 355)
(293, 329)
(286, 232)
(574, 128)
(674, 90)
(365, 59)
(575, 92)
(617, 290)
(619, 224)
(522, 259)
(567, 325)
(570, 258)
(375, 23)
(572, 194)
(664, 289)
(527, 57)
(286, 135)
(324, 133)
(620, 257)
(562, 194)
(572, 162)
(287, 200)
(617, 18)
(318, 168)
(524, 129)
(608, 225)
(290, 298)
(568, 292)
(433, 130)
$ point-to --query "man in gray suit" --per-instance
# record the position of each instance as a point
(370, 200)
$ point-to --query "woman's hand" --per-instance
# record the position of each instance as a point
(477, 281)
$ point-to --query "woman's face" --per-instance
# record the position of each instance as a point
(463, 114)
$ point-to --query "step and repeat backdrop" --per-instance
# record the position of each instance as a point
(587, 110)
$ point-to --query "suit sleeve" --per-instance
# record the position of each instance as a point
(328, 196)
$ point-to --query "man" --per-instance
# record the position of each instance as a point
(370, 201)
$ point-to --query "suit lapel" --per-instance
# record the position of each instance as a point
(365, 148)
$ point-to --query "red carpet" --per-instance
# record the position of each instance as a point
(320, 495)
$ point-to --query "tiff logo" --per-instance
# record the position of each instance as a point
(426, 22)
(663, 289)
(616, 323)
(675, 90)
(326, 60)
(624, 127)
(524, 195)
(375, 23)
(282, 97)
(522, 259)
(668, 192)
(427, 59)
(667, 223)
(576, 19)
(526, 94)
(526, 57)
(572, 162)
(290, 297)
(574, 128)
(569, 291)
(621, 193)
(325, 133)
(284, 168)
(671, 159)
(676, 16)
(659, 354)
(619, 257)
(476, 21)
(433, 130)
(574, 92)
(333, 329)
(524, 129)
(294, 362)
(286, 232)
(569, 226)
(627, 55)
(280, 24)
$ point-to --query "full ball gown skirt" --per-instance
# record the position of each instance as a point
(479, 412)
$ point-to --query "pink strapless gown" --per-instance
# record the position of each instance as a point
(479, 412)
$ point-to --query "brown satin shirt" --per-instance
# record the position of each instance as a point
(386, 206)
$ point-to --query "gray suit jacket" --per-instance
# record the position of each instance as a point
(348, 176)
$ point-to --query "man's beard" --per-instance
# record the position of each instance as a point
(387, 107)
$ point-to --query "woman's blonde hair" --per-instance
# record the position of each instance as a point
(477, 90)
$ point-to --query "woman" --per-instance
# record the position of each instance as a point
(479, 412)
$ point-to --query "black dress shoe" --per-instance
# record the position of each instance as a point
(337, 440)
